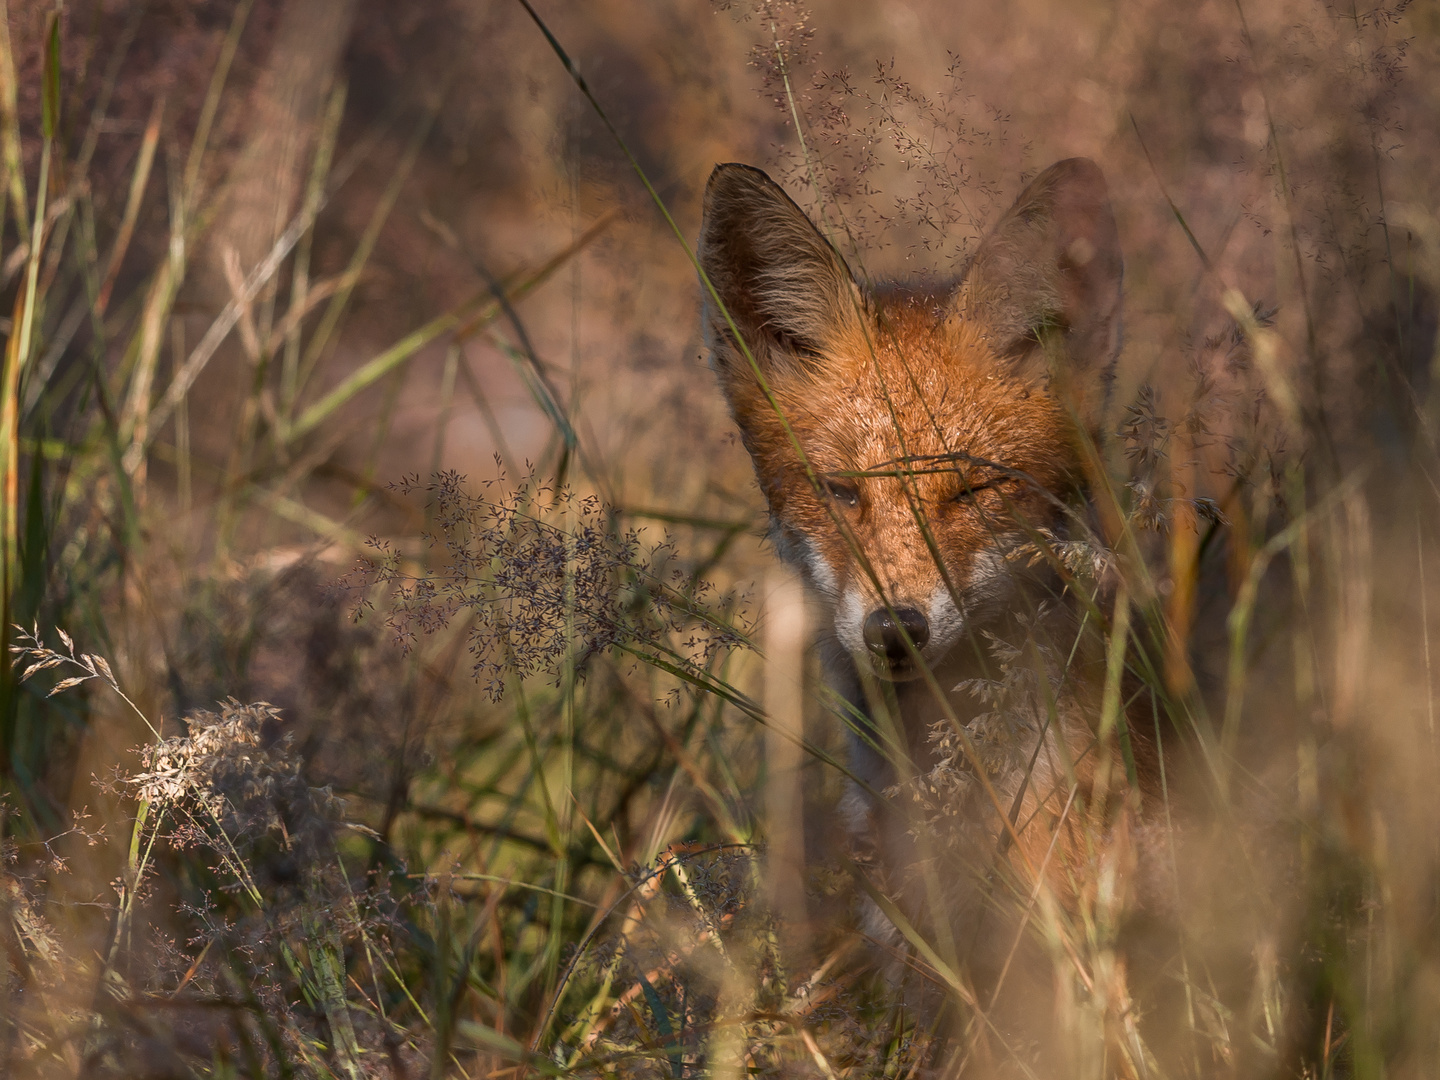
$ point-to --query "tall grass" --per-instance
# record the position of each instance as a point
(548, 785)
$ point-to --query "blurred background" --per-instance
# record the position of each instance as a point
(263, 261)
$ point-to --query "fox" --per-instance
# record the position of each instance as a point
(920, 449)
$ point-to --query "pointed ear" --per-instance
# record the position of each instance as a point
(789, 293)
(1052, 264)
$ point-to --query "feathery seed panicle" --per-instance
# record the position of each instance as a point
(546, 576)
(239, 768)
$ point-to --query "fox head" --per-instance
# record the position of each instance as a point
(906, 442)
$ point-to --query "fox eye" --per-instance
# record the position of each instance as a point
(968, 491)
(843, 493)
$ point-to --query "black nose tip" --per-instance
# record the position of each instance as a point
(885, 634)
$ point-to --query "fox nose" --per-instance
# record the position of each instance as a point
(885, 634)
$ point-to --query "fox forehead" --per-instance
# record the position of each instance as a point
(921, 387)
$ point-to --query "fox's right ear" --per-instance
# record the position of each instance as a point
(786, 289)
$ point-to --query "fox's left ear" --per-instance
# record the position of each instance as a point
(1050, 272)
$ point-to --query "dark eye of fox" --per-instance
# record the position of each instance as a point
(969, 489)
(845, 494)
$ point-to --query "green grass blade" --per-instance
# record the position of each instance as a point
(10, 129)
(465, 325)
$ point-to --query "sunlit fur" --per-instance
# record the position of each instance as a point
(931, 389)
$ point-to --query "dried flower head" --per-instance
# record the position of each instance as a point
(547, 579)
(236, 769)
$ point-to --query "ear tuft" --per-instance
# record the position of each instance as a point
(787, 290)
(1052, 262)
